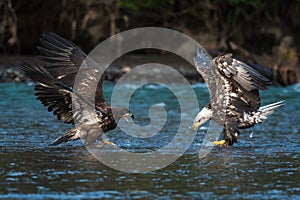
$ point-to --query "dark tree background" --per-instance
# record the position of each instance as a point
(268, 30)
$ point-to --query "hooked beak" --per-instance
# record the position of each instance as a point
(198, 122)
(196, 125)
(203, 116)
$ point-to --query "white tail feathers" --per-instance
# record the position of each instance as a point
(264, 111)
(269, 109)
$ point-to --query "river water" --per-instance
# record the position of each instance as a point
(265, 164)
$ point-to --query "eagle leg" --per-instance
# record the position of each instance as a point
(231, 132)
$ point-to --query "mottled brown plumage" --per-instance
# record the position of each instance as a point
(234, 94)
(62, 62)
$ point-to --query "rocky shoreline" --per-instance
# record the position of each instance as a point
(278, 75)
(10, 73)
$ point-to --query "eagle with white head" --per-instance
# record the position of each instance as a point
(234, 95)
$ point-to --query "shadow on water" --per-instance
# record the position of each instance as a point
(263, 166)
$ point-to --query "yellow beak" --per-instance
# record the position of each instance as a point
(196, 125)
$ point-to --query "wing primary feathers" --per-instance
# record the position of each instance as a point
(41, 75)
(63, 59)
(51, 52)
(55, 77)
(243, 74)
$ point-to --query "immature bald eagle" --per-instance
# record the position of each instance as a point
(61, 60)
(234, 95)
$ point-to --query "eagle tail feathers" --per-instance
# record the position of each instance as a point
(269, 109)
(265, 111)
(69, 136)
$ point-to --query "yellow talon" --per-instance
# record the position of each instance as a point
(221, 142)
(107, 142)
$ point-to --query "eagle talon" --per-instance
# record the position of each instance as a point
(220, 143)
(107, 142)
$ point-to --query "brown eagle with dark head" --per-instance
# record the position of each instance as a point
(61, 62)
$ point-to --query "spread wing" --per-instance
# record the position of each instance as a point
(246, 82)
(246, 76)
(56, 95)
(215, 84)
(62, 60)
(203, 65)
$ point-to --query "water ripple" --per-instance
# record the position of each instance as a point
(264, 166)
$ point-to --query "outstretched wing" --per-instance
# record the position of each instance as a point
(203, 65)
(63, 63)
(214, 83)
(246, 82)
(57, 96)
(64, 60)
(246, 76)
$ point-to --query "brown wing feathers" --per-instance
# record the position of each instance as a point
(52, 93)
(245, 80)
(62, 57)
(240, 72)
(61, 61)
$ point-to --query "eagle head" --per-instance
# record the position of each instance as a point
(203, 116)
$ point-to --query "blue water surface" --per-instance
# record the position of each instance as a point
(263, 166)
